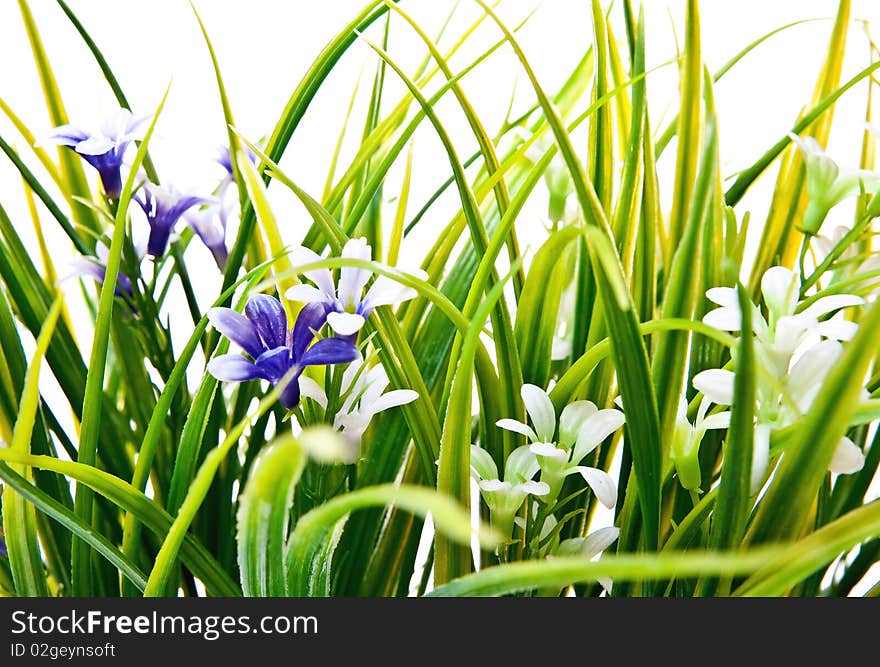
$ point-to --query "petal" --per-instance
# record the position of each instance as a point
(541, 411)
(310, 320)
(233, 368)
(311, 389)
(516, 427)
(352, 279)
(533, 488)
(590, 546)
(716, 384)
(601, 484)
(305, 294)
(599, 540)
(483, 464)
(572, 418)
(494, 485)
(808, 373)
(269, 319)
(790, 331)
(847, 459)
(392, 399)
(723, 296)
(345, 324)
(594, 430)
(837, 329)
(329, 351)
(521, 465)
(760, 456)
(780, 286)
(827, 304)
(95, 146)
(387, 292)
(66, 135)
(725, 318)
(237, 328)
(275, 363)
(716, 421)
(300, 256)
(549, 450)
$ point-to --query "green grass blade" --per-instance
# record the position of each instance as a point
(92, 403)
(54, 509)
(120, 493)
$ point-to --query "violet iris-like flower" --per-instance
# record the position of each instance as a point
(163, 208)
(96, 267)
(209, 224)
(274, 350)
(103, 149)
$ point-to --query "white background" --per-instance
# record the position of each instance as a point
(265, 47)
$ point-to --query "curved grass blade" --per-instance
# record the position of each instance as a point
(307, 539)
(264, 514)
(813, 552)
(562, 571)
(54, 509)
(120, 493)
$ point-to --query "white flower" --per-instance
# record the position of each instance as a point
(582, 427)
(364, 395)
(505, 496)
(784, 404)
(687, 437)
(347, 306)
(828, 184)
(785, 330)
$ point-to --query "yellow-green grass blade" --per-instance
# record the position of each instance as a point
(565, 570)
(19, 517)
(71, 167)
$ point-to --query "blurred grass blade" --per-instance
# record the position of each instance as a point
(311, 531)
(263, 517)
(559, 572)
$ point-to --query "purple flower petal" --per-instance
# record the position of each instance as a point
(269, 319)
(233, 368)
(273, 364)
(329, 351)
(237, 328)
(311, 318)
(290, 395)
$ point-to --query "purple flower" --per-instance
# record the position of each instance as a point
(3, 551)
(103, 149)
(209, 224)
(163, 208)
(274, 350)
(96, 267)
